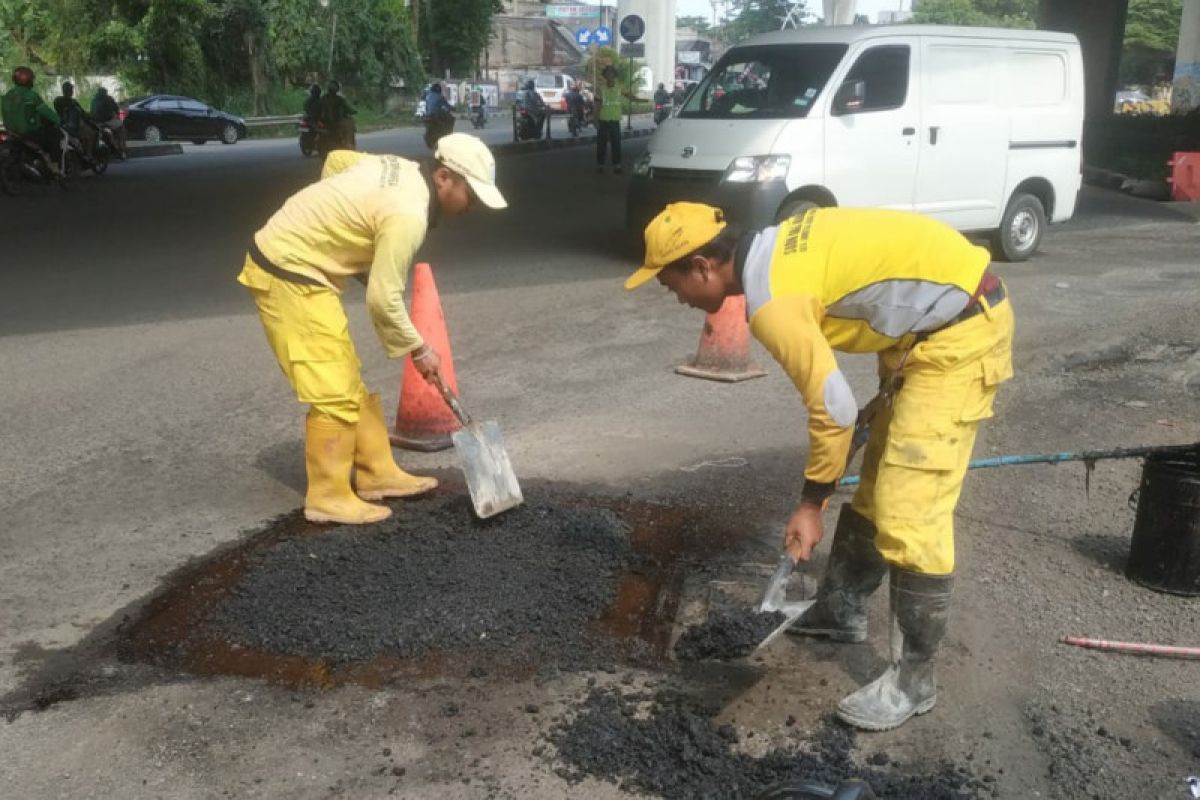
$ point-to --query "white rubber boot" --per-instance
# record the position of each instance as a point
(920, 607)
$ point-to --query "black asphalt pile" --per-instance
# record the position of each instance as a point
(433, 578)
(726, 634)
(667, 745)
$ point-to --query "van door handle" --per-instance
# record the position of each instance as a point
(908, 131)
(933, 132)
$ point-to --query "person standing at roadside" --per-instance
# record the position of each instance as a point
(609, 99)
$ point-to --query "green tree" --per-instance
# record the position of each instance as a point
(27, 28)
(697, 23)
(1151, 36)
(994, 13)
(455, 32)
(171, 33)
(752, 17)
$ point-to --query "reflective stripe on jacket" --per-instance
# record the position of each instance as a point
(854, 280)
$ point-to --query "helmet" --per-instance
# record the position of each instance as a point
(437, 87)
(315, 89)
(529, 85)
(333, 87)
(68, 88)
(22, 76)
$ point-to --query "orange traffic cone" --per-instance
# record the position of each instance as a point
(424, 421)
(724, 353)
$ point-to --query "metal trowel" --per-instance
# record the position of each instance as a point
(485, 464)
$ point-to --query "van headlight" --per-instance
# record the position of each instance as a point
(757, 169)
(641, 167)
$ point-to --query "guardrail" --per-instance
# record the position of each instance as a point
(260, 122)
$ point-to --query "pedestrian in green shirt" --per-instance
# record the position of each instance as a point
(609, 98)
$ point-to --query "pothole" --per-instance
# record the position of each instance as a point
(567, 582)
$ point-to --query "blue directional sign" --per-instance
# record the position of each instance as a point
(583, 37)
(633, 28)
(602, 36)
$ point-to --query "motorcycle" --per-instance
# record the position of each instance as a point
(24, 162)
(310, 133)
(478, 116)
(661, 112)
(102, 151)
(577, 121)
(437, 126)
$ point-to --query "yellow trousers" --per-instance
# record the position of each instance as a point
(918, 451)
(307, 329)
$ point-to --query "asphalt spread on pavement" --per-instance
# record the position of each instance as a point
(434, 578)
(668, 744)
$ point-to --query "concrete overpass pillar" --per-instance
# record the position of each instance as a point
(1185, 89)
(1100, 26)
(838, 12)
(659, 40)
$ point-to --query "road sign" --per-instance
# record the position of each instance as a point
(602, 36)
(633, 28)
(633, 50)
(583, 37)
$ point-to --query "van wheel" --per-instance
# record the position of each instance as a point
(1020, 230)
(794, 208)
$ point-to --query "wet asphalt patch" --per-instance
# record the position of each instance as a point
(432, 580)
(667, 744)
(567, 581)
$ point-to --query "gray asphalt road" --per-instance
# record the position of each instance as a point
(145, 423)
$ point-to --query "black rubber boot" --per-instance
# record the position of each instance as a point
(854, 572)
(920, 608)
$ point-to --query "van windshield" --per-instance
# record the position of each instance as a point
(767, 81)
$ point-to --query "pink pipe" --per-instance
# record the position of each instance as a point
(1133, 647)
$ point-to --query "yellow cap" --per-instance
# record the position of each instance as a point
(679, 229)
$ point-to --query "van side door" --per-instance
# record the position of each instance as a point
(964, 141)
(871, 127)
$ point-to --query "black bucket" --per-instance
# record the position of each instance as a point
(1165, 552)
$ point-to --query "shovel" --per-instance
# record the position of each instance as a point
(775, 599)
(775, 595)
(489, 473)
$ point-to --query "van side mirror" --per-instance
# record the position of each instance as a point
(850, 97)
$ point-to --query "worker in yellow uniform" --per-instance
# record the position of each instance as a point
(365, 220)
(918, 294)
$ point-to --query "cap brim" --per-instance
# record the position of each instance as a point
(643, 275)
(487, 193)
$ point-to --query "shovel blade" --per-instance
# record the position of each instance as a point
(489, 473)
(791, 612)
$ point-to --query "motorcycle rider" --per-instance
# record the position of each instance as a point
(662, 104)
(107, 114)
(679, 95)
(312, 104)
(76, 121)
(338, 116)
(574, 99)
(439, 116)
(26, 115)
(478, 104)
(534, 105)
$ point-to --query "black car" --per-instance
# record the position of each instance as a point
(164, 116)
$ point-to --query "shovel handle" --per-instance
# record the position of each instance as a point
(452, 401)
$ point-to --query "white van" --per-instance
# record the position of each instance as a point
(977, 127)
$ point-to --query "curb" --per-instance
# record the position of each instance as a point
(517, 148)
(148, 150)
